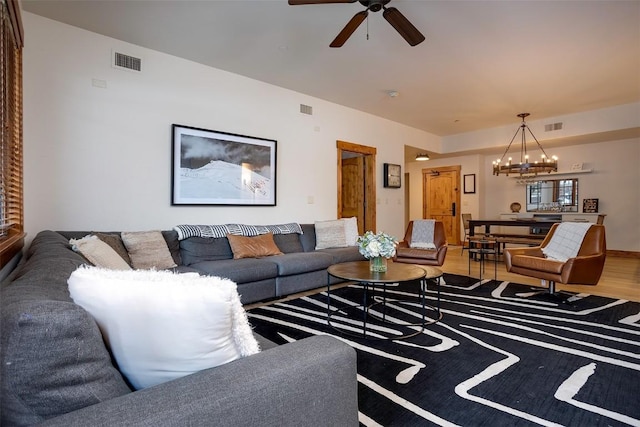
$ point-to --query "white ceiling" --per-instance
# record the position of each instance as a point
(481, 64)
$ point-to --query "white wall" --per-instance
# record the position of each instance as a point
(100, 158)
(614, 181)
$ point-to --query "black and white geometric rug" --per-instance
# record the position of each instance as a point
(500, 356)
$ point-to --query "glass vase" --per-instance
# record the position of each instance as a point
(378, 264)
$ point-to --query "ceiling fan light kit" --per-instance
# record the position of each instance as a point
(393, 16)
(546, 164)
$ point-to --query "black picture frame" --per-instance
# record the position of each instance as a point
(469, 183)
(590, 205)
(218, 168)
(392, 175)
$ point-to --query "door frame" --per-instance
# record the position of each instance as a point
(369, 154)
(437, 170)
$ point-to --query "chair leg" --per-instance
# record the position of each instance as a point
(552, 287)
(466, 239)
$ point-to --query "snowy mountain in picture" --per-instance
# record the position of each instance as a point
(222, 180)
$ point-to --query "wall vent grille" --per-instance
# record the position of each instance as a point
(306, 109)
(126, 62)
(553, 126)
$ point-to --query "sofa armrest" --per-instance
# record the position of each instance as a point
(311, 382)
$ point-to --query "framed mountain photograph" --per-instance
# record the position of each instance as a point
(218, 168)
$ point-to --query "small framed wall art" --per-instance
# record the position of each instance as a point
(392, 178)
(590, 206)
(218, 168)
(469, 183)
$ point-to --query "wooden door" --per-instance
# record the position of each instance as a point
(366, 210)
(353, 185)
(441, 199)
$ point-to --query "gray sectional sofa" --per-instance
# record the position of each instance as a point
(56, 369)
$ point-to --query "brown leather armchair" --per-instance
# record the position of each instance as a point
(409, 255)
(585, 269)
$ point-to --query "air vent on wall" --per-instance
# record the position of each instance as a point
(126, 62)
(553, 126)
(306, 109)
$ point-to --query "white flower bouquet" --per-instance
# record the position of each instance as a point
(373, 245)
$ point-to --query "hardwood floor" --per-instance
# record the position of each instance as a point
(620, 278)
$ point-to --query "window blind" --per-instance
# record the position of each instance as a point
(11, 189)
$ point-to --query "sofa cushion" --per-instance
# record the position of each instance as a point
(301, 262)
(160, 325)
(198, 249)
(52, 356)
(148, 249)
(339, 255)
(253, 247)
(99, 253)
(239, 270)
(288, 243)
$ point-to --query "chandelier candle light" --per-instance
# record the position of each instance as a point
(546, 164)
(377, 248)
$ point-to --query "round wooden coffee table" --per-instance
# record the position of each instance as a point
(396, 273)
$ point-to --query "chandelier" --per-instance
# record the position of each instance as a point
(525, 166)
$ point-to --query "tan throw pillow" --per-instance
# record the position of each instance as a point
(147, 249)
(115, 241)
(99, 253)
(253, 247)
(330, 234)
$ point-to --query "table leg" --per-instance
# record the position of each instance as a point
(437, 279)
(328, 298)
(365, 309)
(384, 302)
(423, 297)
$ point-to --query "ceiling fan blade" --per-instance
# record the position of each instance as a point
(349, 29)
(297, 2)
(403, 26)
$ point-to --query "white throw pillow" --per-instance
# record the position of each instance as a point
(351, 230)
(99, 253)
(330, 234)
(161, 325)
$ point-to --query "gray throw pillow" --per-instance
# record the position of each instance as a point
(197, 249)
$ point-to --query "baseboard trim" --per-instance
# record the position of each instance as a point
(624, 254)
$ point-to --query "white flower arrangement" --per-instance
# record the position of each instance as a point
(373, 245)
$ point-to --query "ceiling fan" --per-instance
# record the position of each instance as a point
(391, 14)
